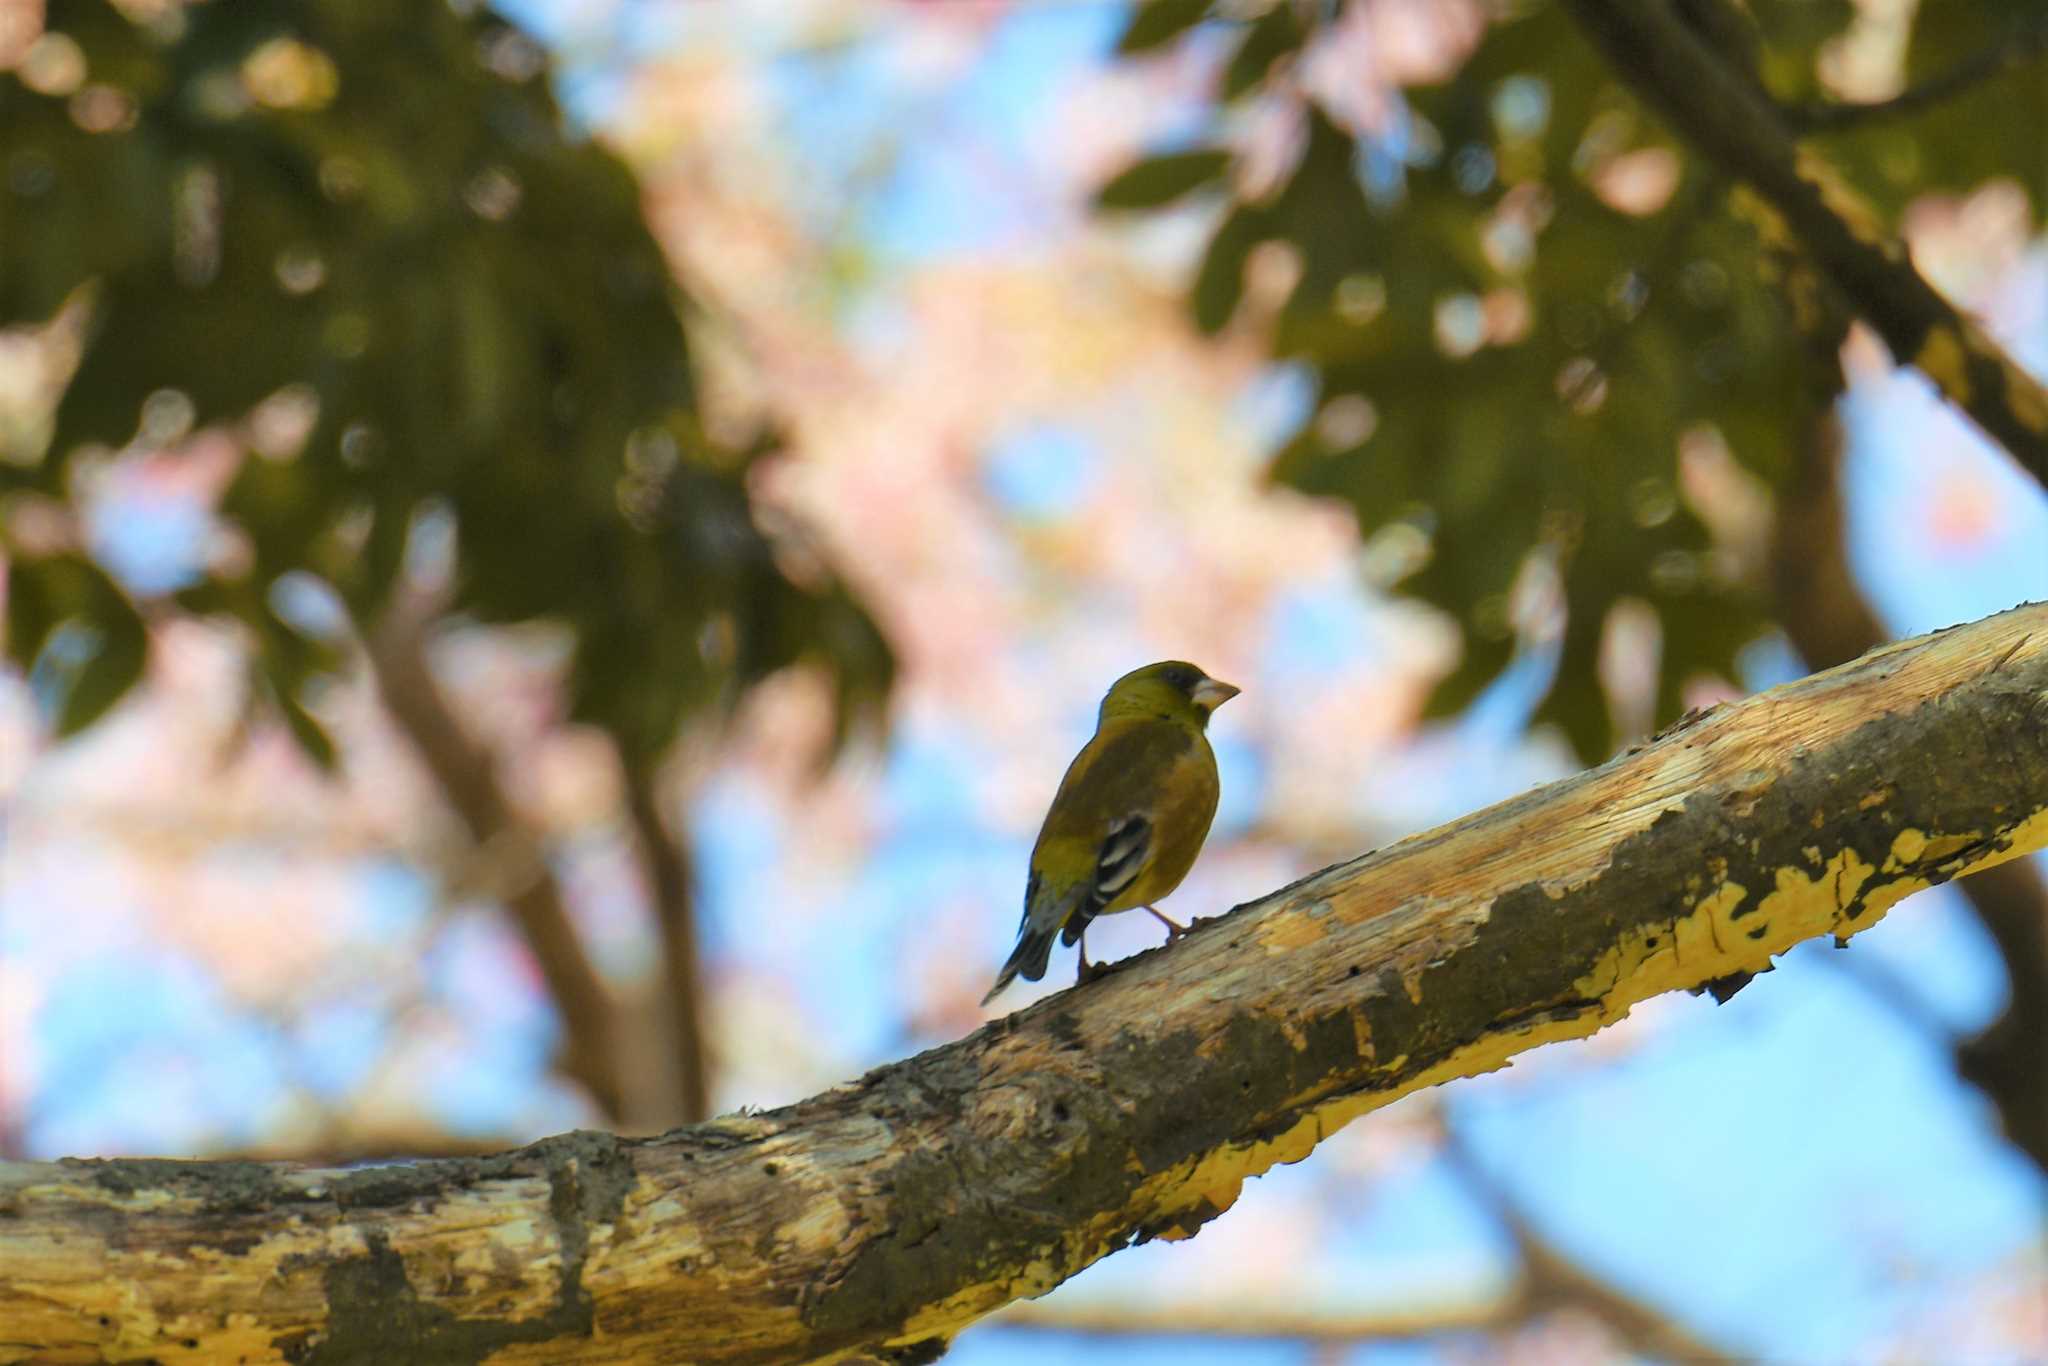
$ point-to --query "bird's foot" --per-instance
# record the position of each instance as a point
(1174, 929)
(1084, 971)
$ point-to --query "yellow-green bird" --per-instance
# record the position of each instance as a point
(1129, 817)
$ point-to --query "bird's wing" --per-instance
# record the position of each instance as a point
(1122, 856)
(1102, 833)
(1117, 865)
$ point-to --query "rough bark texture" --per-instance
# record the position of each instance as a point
(1718, 109)
(877, 1219)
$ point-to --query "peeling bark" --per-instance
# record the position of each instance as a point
(875, 1220)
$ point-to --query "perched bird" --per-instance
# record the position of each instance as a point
(1129, 817)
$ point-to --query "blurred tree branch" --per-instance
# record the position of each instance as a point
(1549, 1281)
(671, 887)
(464, 771)
(1552, 1280)
(1218, 1318)
(1720, 111)
(2027, 42)
(876, 1219)
(2006, 1061)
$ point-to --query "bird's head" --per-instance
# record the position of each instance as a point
(1173, 689)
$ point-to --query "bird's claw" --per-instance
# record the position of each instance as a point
(1174, 929)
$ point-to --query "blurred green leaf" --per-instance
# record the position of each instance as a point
(1156, 23)
(47, 594)
(1219, 283)
(33, 610)
(1508, 364)
(115, 666)
(312, 737)
(1950, 34)
(1791, 35)
(378, 208)
(1275, 34)
(1158, 181)
(1994, 125)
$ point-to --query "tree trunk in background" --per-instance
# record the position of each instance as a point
(468, 779)
(671, 888)
(875, 1220)
(1828, 622)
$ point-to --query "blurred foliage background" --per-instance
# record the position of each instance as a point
(554, 555)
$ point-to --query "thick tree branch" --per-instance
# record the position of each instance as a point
(1722, 114)
(468, 780)
(875, 1220)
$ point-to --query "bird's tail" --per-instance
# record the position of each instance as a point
(1034, 947)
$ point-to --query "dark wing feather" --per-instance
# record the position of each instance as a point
(1117, 865)
(1123, 854)
(1034, 944)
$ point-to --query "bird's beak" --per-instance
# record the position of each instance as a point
(1211, 693)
